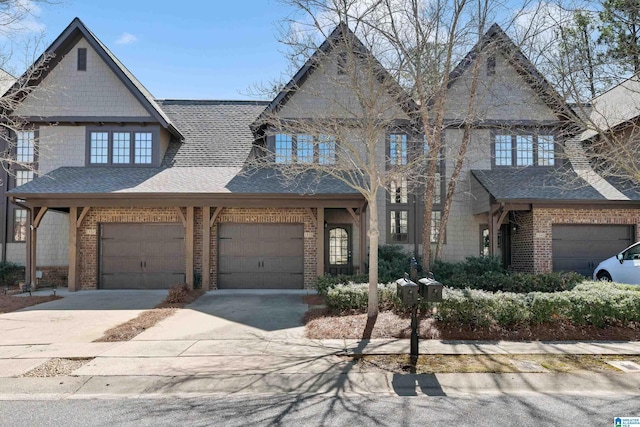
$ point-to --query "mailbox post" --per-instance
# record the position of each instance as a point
(410, 293)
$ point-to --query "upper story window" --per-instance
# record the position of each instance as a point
(524, 150)
(304, 148)
(398, 153)
(25, 146)
(82, 59)
(120, 148)
(23, 176)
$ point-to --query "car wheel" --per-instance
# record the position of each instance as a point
(604, 276)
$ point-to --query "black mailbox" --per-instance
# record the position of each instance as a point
(430, 289)
(407, 291)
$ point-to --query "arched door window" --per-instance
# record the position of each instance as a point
(338, 246)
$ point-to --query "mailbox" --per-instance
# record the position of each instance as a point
(430, 289)
(407, 291)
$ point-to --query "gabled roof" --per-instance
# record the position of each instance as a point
(66, 40)
(341, 32)
(616, 106)
(496, 37)
(6, 81)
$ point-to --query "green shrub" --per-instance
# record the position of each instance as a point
(481, 308)
(393, 262)
(325, 283)
(356, 296)
(10, 273)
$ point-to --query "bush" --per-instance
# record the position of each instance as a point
(481, 308)
(354, 296)
(10, 273)
(325, 283)
(178, 294)
(393, 262)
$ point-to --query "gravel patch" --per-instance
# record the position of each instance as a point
(56, 367)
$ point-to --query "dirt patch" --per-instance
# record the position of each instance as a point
(9, 303)
(126, 331)
(56, 367)
(320, 324)
(495, 363)
(313, 300)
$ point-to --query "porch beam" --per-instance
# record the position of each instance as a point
(84, 213)
(72, 275)
(215, 216)
(320, 242)
(206, 247)
(503, 215)
(189, 240)
(181, 215)
(38, 218)
(356, 220)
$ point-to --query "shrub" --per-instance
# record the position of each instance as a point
(355, 297)
(178, 294)
(325, 283)
(10, 273)
(393, 262)
(481, 308)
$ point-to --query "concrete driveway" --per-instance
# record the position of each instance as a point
(79, 317)
(235, 315)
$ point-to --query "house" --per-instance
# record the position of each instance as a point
(136, 192)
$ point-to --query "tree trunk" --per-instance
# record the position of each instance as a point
(374, 237)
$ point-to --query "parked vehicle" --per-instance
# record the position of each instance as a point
(622, 268)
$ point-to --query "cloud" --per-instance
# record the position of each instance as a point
(127, 38)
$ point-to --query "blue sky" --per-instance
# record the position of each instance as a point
(214, 49)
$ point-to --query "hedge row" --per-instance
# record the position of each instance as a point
(590, 303)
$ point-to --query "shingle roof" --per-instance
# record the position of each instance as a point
(216, 133)
(540, 184)
(191, 180)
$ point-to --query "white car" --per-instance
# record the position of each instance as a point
(622, 268)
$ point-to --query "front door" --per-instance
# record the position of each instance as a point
(338, 249)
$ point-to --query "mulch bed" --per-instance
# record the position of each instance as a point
(9, 303)
(321, 324)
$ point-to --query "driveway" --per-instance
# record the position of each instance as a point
(79, 317)
(236, 315)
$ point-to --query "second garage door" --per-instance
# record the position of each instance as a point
(267, 256)
(141, 256)
(581, 247)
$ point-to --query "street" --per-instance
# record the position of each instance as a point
(323, 410)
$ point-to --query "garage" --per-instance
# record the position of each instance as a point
(141, 256)
(260, 256)
(581, 247)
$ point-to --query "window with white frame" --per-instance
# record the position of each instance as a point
(524, 149)
(25, 146)
(398, 153)
(23, 176)
(20, 225)
(304, 148)
(436, 218)
(120, 148)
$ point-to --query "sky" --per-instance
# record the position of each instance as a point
(186, 49)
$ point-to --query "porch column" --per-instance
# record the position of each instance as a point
(206, 248)
(320, 242)
(29, 274)
(73, 249)
(189, 246)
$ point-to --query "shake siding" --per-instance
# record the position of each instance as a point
(61, 146)
(69, 92)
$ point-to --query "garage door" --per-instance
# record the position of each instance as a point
(141, 256)
(267, 256)
(581, 247)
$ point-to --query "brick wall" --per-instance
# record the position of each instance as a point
(522, 242)
(88, 235)
(544, 219)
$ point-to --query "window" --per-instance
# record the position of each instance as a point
(120, 148)
(25, 146)
(82, 59)
(22, 177)
(398, 191)
(19, 225)
(399, 225)
(338, 246)
(436, 218)
(304, 148)
(398, 149)
(524, 150)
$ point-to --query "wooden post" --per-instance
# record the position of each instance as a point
(206, 248)
(320, 242)
(33, 238)
(28, 278)
(189, 246)
(73, 249)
